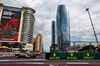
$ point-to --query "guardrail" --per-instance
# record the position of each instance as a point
(75, 45)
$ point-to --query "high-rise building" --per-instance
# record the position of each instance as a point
(34, 42)
(63, 28)
(54, 33)
(53, 47)
(38, 43)
(16, 25)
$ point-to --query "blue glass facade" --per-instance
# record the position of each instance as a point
(54, 33)
(63, 28)
(54, 47)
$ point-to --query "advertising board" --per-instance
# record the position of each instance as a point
(72, 56)
(10, 22)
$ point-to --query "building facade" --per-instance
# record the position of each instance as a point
(54, 33)
(34, 42)
(16, 25)
(38, 43)
(53, 47)
(63, 28)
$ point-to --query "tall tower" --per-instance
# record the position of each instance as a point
(38, 43)
(54, 33)
(63, 28)
(53, 47)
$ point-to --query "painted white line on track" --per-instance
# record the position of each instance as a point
(39, 59)
(21, 60)
(27, 63)
(77, 63)
(28, 60)
(24, 60)
(4, 60)
(31, 63)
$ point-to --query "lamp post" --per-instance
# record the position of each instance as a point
(87, 9)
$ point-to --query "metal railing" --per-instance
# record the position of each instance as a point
(83, 46)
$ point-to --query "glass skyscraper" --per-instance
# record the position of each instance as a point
(54, 33)
(63, 28)
(54, 47)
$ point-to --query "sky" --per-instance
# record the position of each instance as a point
(80, 25)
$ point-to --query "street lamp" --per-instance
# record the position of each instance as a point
(87, 9)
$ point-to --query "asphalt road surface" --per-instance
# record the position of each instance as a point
(37, 57)
(41, 61)
(51, 64)
(40, 56)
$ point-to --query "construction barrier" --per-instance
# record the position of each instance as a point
(75, 55)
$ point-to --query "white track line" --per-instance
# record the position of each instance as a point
(4, 60)
(77, 63)
(24, 60)
(40, 59)
(31, 63)
(26, 63)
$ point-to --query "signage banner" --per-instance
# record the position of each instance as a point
(77, 55)
(10, 23)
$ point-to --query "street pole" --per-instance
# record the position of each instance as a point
(74, 47)
(90, 47)
(87, 9)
